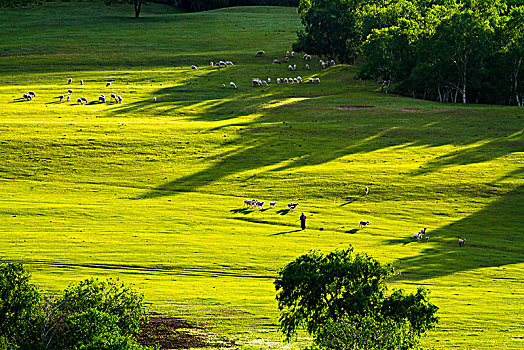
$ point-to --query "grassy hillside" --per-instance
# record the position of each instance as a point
(153, 192)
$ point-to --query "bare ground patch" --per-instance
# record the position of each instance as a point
(175, 333)
(353, 107)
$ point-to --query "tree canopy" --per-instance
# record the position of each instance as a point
(469, 51)
(329, 294)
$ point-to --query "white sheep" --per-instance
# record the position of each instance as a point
(311, 80)
(332, 62)
(278, 80)
(81, 82)
(233, 85)
(61, 97)
(286, 80)
(260, 53)
(229, 63)
(317, 80)
(292, 54)
(299, 78)
(108, 84)
(211, 64)
(223, 85)
(84, 99)
(102, 99)
(462, 242)
(366, 189)
(294, 67)
(70, 80)
(194, 68)
(272, 204)
(68, 98)
(290, 67)
(70, 91)
(32, 93)
(307, 66)
(154, 99)
(269, 80)
(287, 53)
(79, 101)
(119, 99)
(27, 97)
(113, 95)
(275, 61)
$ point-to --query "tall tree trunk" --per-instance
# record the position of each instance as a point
(516, 80)
(138, 6)
(464, 81)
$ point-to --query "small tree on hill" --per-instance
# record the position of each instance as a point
(341, 298)
(136, 3)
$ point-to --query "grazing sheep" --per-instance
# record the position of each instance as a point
(61, 97)
(154, 99)
(332, 62)
(307, 66)
(290, 67)
(462, 242)
(324, 65)
(108, 84)
(306, 57)
(233, 85)
(229, 63)
(247, 203)
(286, 59)
(27, 97)
(84, 99)
(299, 79)
(256, 82)
(32, 93)
(70, 80)
(292, 54)
(223, 85)
(287, 53)
(194, 68)
(275, 61)
(79, 101)
(278, 80)
(294, 67)
(260, 205)
(423, 231)
(363, 224)
(269, 80)
(311, 80)
(286, 80)
(272, 204)
(102, 99)
(416, 235)
(211, 64)
(221, 63)
(113, 96)
(70, 91)
(81, 82)
(292, 205)
(317, 80)
(366, 189)
(68, 98)
(260, 54)
(119, 99)
(295, 80)
(264, 82)
(427, 239)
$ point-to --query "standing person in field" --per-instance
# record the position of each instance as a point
(303, 221)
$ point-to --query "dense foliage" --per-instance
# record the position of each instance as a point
(468, 51)
(91, 314)
(341, 298)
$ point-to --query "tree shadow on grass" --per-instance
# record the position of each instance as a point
(350, 200)
(285, 232)
(494, 238)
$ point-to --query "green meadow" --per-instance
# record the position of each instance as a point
(153, 192)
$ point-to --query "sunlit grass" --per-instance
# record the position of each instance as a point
(153, 192)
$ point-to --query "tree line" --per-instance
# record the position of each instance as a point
(467, 51)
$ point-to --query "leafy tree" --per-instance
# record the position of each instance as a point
(331, 29)
(95, 314)
(341, 291)
(19, 306)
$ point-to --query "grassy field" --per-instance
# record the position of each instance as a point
(153, 192)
